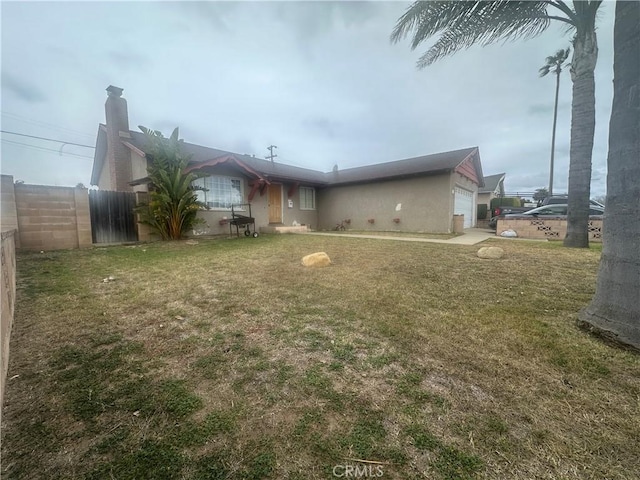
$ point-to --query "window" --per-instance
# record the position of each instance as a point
(220, 192)
(307, 198)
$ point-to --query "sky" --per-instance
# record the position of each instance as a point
(320, 80)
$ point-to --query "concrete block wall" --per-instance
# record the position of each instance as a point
(9, 214)
(52, 218)
(8, 282)
(547, 228)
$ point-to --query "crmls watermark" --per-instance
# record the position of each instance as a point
(358, 471)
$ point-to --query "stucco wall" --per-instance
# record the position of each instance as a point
(105, 181)
(138, 170)
(259, 208)
(426, 205)
(485, 198)
(51, 218)
(8, 282)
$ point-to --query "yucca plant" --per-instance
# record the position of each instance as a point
(173, 204)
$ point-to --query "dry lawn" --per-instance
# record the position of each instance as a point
(229, 360)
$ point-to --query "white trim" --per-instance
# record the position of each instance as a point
(222, 209)
(314, 199)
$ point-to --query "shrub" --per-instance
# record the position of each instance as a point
(482, 211)
(173, 204)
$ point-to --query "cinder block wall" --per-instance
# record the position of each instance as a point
(51, 218)
(547, 228)
(9, 214)
(8, 282)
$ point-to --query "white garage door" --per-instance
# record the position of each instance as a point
(463, 205)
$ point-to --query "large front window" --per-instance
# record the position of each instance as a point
(220, 192)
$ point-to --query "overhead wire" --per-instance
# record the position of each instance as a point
(49, 126)
(36, 147)
(48, 139)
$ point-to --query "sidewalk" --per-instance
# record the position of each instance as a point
(471, 236)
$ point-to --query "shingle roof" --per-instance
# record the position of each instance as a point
(423, 165)
(491, 183)
(269, 169)
(426, 164)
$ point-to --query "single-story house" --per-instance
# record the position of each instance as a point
(419, 194)
(493, 187)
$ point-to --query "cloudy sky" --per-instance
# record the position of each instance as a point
(318, 79)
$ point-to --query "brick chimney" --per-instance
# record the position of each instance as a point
(118, 154)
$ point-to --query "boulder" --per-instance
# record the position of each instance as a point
(318, 259)
(491, 252)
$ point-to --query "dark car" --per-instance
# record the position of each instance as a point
(501, 211)
(558, 210)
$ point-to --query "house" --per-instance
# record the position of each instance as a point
(493, 187)
(415, 194)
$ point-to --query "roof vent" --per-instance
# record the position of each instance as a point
(335, 168)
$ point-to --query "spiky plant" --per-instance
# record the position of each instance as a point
(173, 204)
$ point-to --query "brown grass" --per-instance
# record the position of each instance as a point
(229, 358)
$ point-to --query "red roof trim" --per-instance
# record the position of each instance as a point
(224, 159)
(467, 168)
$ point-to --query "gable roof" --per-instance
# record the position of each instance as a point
(203, 157)
(491, 183)
(424, 165)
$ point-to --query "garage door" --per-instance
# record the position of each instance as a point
(463, 205)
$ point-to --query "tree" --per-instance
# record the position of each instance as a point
(173, 204)
(540, 194)
(463, 24)
(554, 64)
(615, 310)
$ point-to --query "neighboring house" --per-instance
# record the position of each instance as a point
(416, 194)
(493, 187)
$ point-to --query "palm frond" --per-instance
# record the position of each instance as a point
(466, 23)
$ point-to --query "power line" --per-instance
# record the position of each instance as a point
(36, 147)
(48, 139)
(49, 126)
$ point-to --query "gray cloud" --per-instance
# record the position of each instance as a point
(22, 88)
(128, 60)
(322, 125)
(318, 79)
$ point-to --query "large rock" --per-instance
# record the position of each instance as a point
(491, 252)
(318, 259)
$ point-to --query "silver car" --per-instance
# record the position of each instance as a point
(555, 211)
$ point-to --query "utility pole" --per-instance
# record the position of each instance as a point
(271, 155)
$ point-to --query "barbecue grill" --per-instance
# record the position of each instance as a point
(241, 220)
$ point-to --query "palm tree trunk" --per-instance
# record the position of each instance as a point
(615, 308)
(553, 134)
(583, 123)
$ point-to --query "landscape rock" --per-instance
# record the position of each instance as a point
(509, 234)
(491, 252)
(318, 259)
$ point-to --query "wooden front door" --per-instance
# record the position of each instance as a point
(275, 203)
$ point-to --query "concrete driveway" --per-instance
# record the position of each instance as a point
(471, 236)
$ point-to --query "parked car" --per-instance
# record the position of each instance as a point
(564, 199)
(501, 211)
(557, 210)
